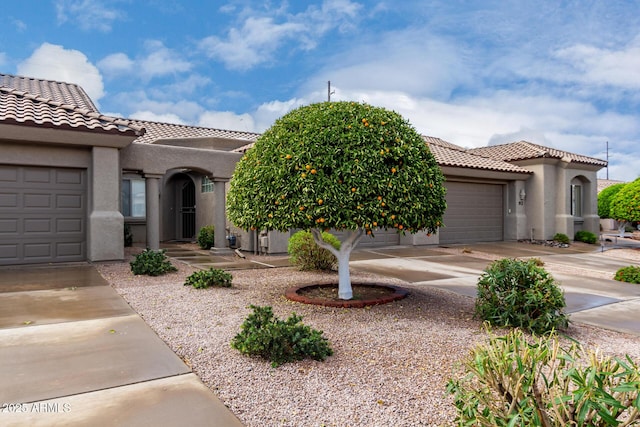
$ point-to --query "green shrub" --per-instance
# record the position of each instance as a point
(205, 237)
(307, 255)
(510, 382)
(520, 294)
(279, 341)
(586, 237)
(212, 277)
(151, 263)
(561, 238)
(629, 274)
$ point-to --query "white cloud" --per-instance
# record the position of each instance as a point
(87, 14)
(593, 65)
(154, 117)
(227, 120)
(54, 62)
(116, 63)
(157, 61)
(161, 60)
(3, 59)
(258, 38)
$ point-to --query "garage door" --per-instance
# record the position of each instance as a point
(42, 214)
(382, 238)
(474, 213)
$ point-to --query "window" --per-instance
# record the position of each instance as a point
(133, 198)
(576, 200)
(207, 185)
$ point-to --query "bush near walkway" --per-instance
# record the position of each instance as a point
(630, 274)
(517, 293)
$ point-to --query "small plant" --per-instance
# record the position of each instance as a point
(561, 238)
(151, 263)
(307, 255)
(519, 293)
(629, 274)
(212, 277)
(510, 382)
(128, 236)
(205, 237)
(537, 261)
(279, 341)
(586, 237)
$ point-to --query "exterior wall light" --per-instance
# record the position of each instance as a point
(523, 196)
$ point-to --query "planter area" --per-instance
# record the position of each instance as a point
(326, 294)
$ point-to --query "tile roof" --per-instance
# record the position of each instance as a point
(604, 183)
(19, 107)
(448, 154)
(64, 93)
(157, 130)
(524, 150)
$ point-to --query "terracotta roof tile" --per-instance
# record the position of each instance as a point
(19, 107)
(65, 93)
(524, 150)
(604, 183)
(157, 130)
(448, 154)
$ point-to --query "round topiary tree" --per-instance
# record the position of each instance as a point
(342, 165)
(625, 205)
(605, 197)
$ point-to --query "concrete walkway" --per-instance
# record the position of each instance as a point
(604, 303)
(73, 353)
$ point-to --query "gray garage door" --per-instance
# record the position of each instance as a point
(382, 238)
(474, 213)
(42, 214)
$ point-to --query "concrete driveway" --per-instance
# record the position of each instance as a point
(600, 302)
(73, 353)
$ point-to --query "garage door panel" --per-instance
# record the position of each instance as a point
(8, 200)
(66, 225)
(42, 215)
(69, 201)
(474, 213)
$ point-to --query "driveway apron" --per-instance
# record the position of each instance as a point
(72, 352)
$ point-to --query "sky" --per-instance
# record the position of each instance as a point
(560, 73)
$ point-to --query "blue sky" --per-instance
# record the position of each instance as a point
(565, 74)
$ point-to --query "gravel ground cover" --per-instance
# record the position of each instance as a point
(390, 363)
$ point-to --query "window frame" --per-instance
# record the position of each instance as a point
(577, 200)
(206, 185)
(133, 187)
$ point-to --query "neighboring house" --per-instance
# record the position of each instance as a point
(71, 178)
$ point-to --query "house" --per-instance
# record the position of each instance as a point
(71, 178)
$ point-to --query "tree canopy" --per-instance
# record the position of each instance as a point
(625, 206)
(341, 165)
(605, 197)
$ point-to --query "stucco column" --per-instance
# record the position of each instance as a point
(105, 238)
(564, 219)
(220, 216)
(152, 191)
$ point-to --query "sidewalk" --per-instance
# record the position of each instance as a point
(73, 353)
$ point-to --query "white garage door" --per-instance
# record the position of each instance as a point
(474, 213)
(42, 214)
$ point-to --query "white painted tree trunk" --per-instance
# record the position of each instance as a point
(621, 227)
(343, 256)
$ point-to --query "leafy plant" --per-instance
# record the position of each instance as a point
(212, 277)
(586, 237)
(307, 255)
(205, 237)
(338, 165)
(151, 263)
(629, 274)
(511, 382)
(605, 197)
(625, 205)
(561, 238)
(520, 294)
(279, 341)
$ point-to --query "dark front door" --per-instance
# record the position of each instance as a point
(187, 214)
